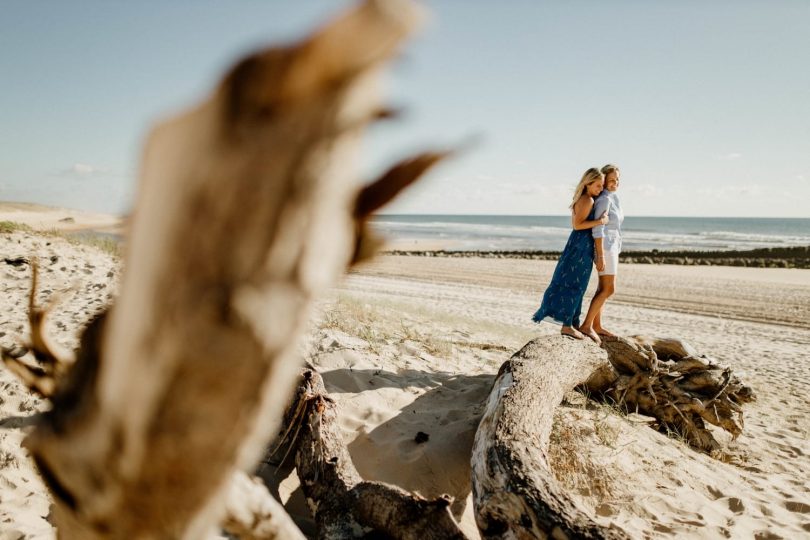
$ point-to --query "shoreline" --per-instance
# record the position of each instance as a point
(779, 296)
(783, 257)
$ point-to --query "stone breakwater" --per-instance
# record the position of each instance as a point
(787, 257)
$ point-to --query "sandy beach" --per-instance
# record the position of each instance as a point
(412, 344)
(45, 218)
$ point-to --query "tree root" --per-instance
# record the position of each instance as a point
(670, 381)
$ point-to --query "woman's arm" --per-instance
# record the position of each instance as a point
(599, 254)
(579, 219)
(600, 206)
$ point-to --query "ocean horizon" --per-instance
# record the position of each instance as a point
(549, 233)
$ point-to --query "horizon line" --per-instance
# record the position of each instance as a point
(566, 215)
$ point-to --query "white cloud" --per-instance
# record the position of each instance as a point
(731, 156)
(510, 189)
(735, 190)
(645, 190)
(83, 170)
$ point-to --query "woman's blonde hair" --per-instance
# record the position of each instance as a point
(590, 176)
(609, 168)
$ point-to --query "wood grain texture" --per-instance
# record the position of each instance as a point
(514, 490)
(243, 216)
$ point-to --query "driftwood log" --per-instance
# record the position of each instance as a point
(514, 490)
(669, 380)
(248, 207)
(251, 512)
(343, 504)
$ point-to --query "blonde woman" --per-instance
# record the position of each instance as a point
(607, 246)
(562, 301)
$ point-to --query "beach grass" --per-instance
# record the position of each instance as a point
(379, 325)
(573, 462)
(386, 322)
(104, 243)
(8, 227)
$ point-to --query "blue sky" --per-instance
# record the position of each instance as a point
(704, 105)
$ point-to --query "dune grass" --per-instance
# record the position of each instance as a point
(572, 462)
(394, 322)
(103, 243)
(380, 325)
(8, 227)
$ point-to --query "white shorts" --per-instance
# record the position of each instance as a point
(611, 263)
(611, 247)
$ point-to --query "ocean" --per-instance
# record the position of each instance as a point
(549, 233)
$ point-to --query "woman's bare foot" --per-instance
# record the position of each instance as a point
(572, 332)
(591, 334)
(604, 333)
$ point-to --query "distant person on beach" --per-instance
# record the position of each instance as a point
(562, 301)
(608, 244)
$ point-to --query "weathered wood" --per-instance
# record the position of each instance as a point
(251, 513)
(514, 491)
(343, 504)
(670, 381)
(378, 193)
(53, 360)
(244, 214)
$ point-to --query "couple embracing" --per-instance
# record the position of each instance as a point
(594, 241)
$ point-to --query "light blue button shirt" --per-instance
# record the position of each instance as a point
(612, 232)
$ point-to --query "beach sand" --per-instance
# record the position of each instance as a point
(45, 218)
(80, 280)
(410, 344)
(434, 331)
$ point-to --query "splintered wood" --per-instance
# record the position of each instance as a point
(245, 213)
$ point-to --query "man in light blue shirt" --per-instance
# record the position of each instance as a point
(607, 246)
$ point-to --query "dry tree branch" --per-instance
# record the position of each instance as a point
(245, 213)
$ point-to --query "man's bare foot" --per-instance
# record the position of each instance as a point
(572, 332)
(604, 333)
(591, 334)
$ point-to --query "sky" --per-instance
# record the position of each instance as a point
(705, 106)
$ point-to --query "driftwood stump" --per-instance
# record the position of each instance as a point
(670, 381)
(514, 490)
(343, 504)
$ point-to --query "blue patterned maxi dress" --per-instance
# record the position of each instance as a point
(562, 301)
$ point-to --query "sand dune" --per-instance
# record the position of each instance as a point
(62, 219)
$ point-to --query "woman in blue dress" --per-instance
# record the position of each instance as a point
(562, 301)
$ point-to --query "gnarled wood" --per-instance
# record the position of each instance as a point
(669, 380)
(343, 504)
(514, 490)
(244, 215)
(251, 513)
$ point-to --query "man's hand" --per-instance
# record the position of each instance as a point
(600, 263)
